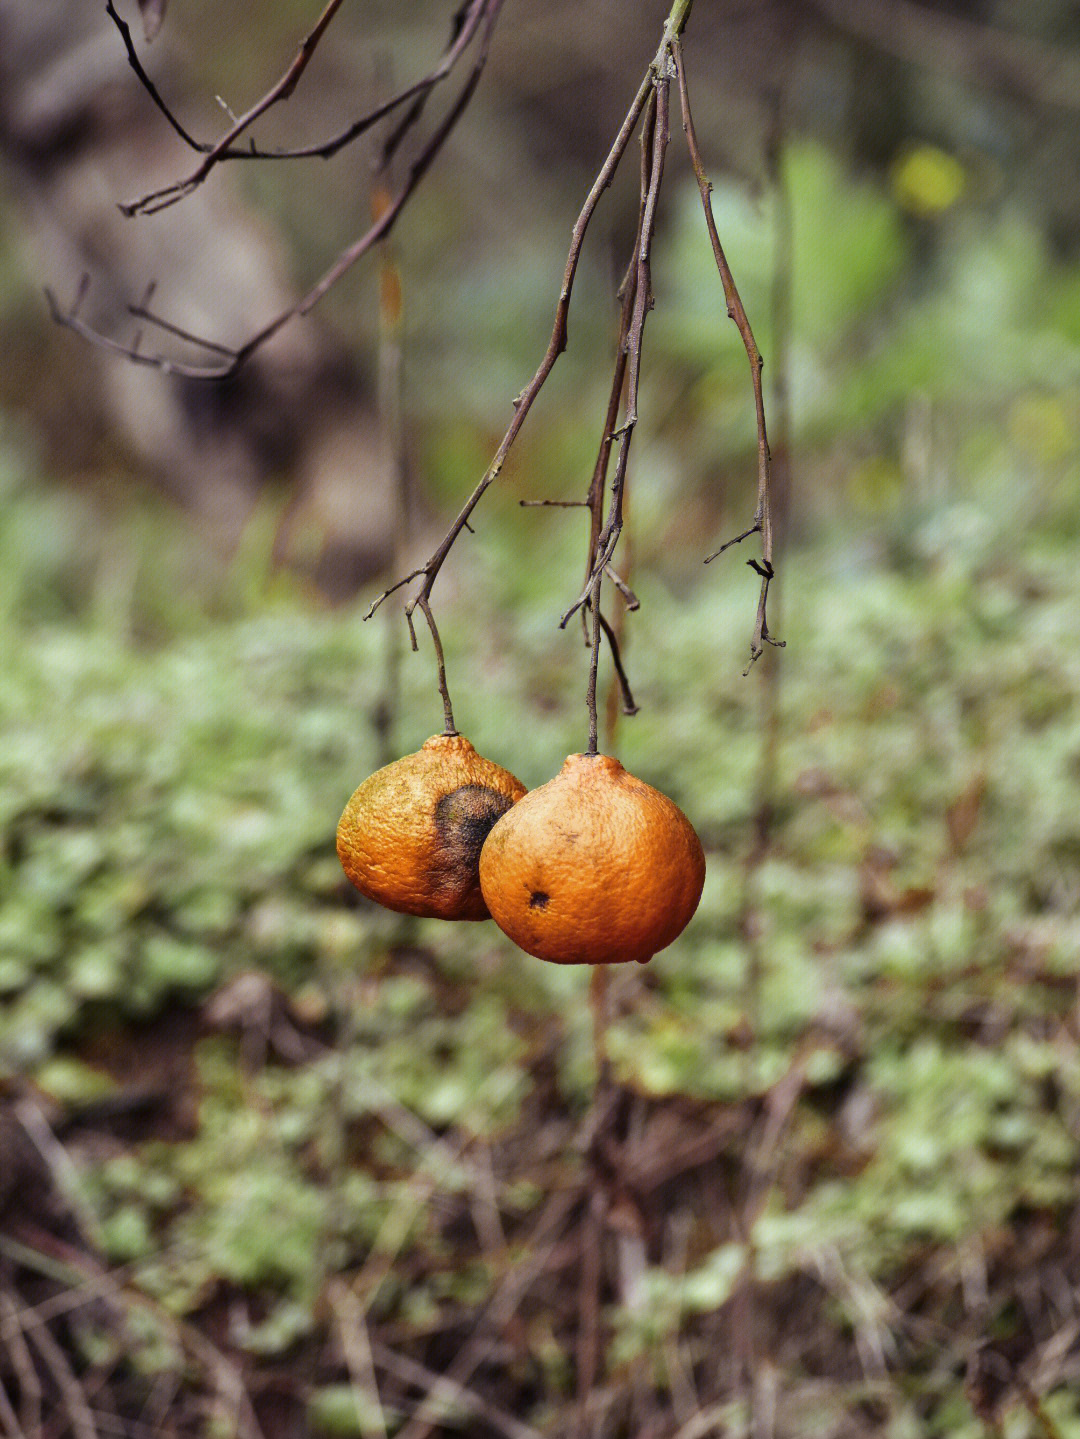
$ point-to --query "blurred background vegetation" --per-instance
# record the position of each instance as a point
(274, 1163)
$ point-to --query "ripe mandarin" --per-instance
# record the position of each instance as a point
(594, 867)
(411, 834)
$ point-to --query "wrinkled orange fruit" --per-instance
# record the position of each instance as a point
(594, 867)
(411, 835)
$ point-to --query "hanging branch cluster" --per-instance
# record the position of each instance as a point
(472, 28)
(605, 502)
(763, 523)
(471, 31)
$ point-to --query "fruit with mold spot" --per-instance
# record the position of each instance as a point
(411, 835)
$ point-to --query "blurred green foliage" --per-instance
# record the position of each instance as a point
(179, 737)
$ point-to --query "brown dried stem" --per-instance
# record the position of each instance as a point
(466, 24)
(524, 401)
(608, 537)
(627, 293)
(232, 359)
(763, 520)
(654, 148)
(652, 98)
(597, 484)
(594, 500)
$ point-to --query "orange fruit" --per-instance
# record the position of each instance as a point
(594, 867)
(411, 834)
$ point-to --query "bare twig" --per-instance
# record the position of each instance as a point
(632, 601)
(626, 293)
(643, 303)
(84, 1278)
(61, 1168)
(230, 360)
(226, 148)
(142, 311)
(763, 520)
(424, 606)
(593, 601)
(556, 345)
(654, 148)
(754, 529)
(652, 98)
(160, 199)
(608, 537)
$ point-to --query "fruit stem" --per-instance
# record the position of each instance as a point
(594, 665)
(449, 728)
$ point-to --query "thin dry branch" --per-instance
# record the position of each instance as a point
(627, 293)
(763, 521)
(631, 599)
(523, 403)
(636, 292)
(654, 142)
(231, 360)
(466, 24)
(629, 705)
(355, 1344)
(608, 537)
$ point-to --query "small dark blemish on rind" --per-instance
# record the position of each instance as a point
(539, 899)
(463, 820)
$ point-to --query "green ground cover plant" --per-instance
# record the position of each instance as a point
(280, 1107)
(273, 1161)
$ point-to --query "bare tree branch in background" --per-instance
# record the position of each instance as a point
(465, 26)
(476, 21)
(472, 28)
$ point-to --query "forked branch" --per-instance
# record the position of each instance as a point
(473, 25)
(428, 573)
(222, 361)
(637, 302)
(466, 23)
(763, 520)
(652, 101)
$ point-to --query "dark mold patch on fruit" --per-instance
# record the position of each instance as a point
(463, 820)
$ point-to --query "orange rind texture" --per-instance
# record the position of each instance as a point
(411, 835)
(594, 867)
